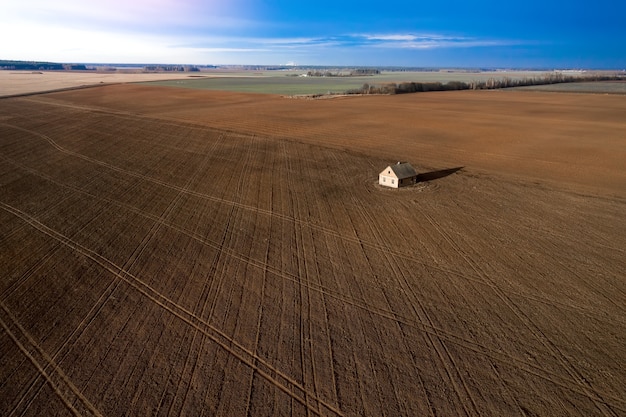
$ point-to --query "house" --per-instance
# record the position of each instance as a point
(397, 175)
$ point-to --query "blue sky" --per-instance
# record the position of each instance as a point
(483, 33)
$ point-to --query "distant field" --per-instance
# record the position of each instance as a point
(282, 84)
(597, 87)
(28, 82)
(288, 83)
(268, 82)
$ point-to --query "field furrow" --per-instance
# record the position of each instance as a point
(234, 255)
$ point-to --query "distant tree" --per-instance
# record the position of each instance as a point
(456, 85)
(491, 83)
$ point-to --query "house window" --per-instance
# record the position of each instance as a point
(392, 181)
(384, 179)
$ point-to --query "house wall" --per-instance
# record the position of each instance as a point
(395, 182)
(388, 181)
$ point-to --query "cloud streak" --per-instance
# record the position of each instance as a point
(403, 41)
(430, 41)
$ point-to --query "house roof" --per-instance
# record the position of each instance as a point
(400, 170)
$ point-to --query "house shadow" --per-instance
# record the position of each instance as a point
(435, 175)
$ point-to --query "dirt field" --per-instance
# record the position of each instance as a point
(179, 252)
(27, 82)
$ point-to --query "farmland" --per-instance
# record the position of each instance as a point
(289, 83)
(185, 252)
(28, 82)
(13, 83)
(605, 87)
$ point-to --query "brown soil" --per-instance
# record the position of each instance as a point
(14, 83)
(178, 252)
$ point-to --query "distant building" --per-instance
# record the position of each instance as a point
(397, 175)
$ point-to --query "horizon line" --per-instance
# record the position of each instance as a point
(296, 66)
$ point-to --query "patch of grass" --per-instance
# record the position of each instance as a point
(271, 85)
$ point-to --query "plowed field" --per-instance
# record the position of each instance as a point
(178, 252)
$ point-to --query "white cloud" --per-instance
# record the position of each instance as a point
(285, 41)
(390, 37)
(80, 45)
(230, 50)
(429, 41)
(121, 31)
(136, 16)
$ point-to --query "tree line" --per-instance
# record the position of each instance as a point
(353, 73)
(489, 84)
(171, 68)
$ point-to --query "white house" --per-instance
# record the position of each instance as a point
(397, 175)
